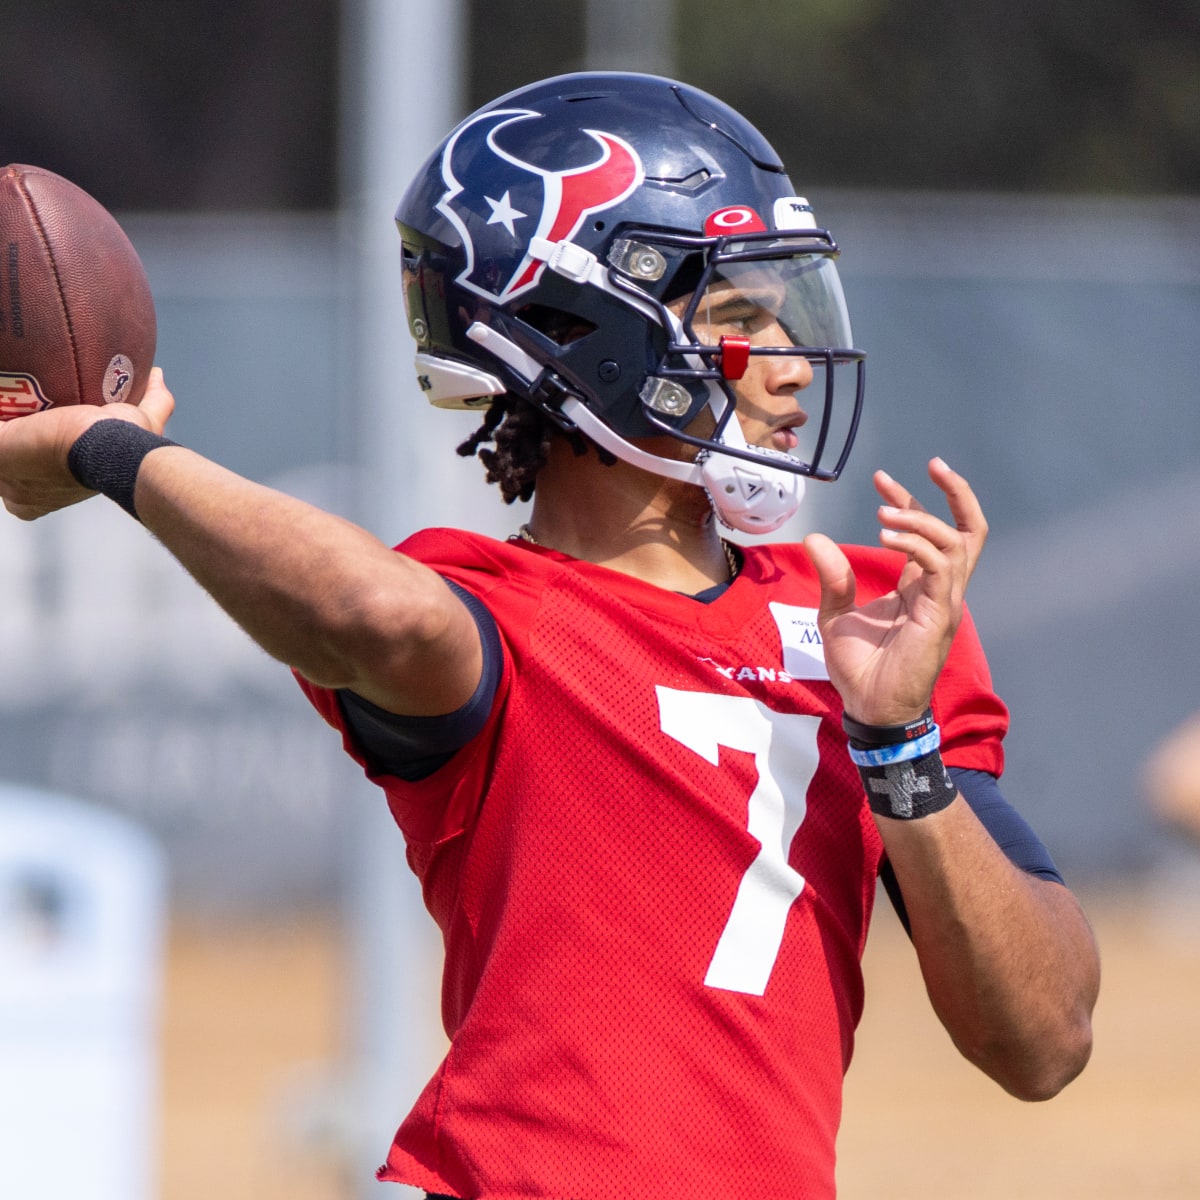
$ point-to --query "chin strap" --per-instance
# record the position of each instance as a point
(746, 496)
(614, 443)
(750, 497)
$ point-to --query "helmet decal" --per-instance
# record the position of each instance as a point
(738, 219)
(524, 200)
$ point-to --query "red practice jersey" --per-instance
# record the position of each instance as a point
(653, 871)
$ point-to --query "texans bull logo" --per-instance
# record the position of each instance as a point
(524, 200)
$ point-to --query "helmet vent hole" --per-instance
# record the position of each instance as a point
(689, 183)
(560, 327)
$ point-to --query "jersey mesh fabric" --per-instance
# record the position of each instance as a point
(584, 856)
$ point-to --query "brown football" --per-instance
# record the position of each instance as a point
(77, 322)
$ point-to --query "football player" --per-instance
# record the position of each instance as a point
(648, 777)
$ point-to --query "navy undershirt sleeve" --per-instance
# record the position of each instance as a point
(1010, 831)
(413, 748)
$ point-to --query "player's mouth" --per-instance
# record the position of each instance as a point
(783, 436)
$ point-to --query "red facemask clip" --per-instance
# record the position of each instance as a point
(735, 356)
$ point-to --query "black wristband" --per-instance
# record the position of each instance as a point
(106, 458)
(868, 737)
(909, 790)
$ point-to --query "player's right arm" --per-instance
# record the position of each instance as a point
(313, 590)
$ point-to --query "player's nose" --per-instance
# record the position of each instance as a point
(788, 373)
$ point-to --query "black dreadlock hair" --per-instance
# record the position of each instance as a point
(522, 431)
(522, 434)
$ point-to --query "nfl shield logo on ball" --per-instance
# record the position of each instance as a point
(118, 379)
(20, 395)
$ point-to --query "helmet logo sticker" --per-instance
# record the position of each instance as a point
(739, 219)
(524, 200)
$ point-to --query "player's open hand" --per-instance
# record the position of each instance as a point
(884, 657)
(34, 476)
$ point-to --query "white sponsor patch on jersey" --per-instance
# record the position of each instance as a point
(803, 652)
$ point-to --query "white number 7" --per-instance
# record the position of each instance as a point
(784, 745)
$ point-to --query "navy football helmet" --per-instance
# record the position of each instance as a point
(560, 245)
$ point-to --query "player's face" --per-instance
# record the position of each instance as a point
(751, 302)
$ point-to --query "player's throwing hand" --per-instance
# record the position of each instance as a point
(34, 476)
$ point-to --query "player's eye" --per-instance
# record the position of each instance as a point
(742, 318)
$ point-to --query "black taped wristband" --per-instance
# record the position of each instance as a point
(909, 790)
(107, 457)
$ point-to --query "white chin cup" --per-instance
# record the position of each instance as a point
(750, 497)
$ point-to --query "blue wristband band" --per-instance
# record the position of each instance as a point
(882, 756)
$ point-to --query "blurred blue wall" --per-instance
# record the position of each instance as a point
(1046, 348)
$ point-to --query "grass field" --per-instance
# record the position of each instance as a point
(252, 1014)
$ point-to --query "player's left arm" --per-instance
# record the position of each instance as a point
(1008, 958)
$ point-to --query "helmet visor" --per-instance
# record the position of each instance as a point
(793, 302)
(755, 303)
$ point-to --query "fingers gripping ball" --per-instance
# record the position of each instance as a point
(77, 321)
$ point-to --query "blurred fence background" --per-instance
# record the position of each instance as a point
(1017, 194)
